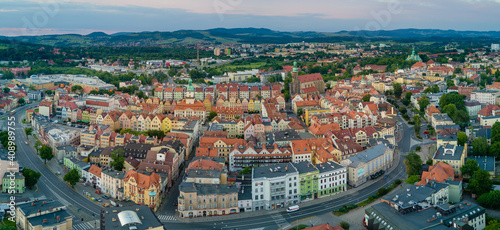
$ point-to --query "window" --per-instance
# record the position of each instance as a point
(261, 197)
(256, 197)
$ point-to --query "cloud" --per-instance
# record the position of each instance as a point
(5, 10)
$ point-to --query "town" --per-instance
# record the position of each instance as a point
(271, 136)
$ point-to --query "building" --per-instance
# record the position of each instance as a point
(441, 119)
(275, 186)
(453, 155)
(13, 183)
(130, 217)
(486, 163)
(43, 214)
(200, 200)
(443, 173)
(45, 108)
(485, 96)
(308, 178)
(143, 189)
(332, 178)
(489, 121)
(472, 108)
(368, 164)
(112, 183)
(74, 163)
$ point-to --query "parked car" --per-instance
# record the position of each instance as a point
(98, 192)
(99, 199)
(175, 203)
(105, 197)
(26, 142)
(433, 138)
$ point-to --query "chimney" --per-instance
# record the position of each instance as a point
(44, 221)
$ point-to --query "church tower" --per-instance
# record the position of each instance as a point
(295, 89)
(190, 93)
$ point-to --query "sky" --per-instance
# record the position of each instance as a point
(41, 17)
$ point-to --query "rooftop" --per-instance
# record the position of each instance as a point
(449, 152)
(122, 218)
(207, 189)
(270, 171)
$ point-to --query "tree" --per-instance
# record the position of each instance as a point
(118, 159)
(398, 90)
(480, 147)
(493, 225)
(300, 111)
(413, 163)
(416, 120)
(46, 153)
(469, 167)
(28, 131)
(490, 200)
(366, 97)
(211, 115)
(495, 149)
(76, 88)
(432, 89)
(345, 225)
(480, 183)
(21, 101)
(72, 177)
(423, 102)
(408, 95)
(49, 92)
(31, 177)
(461, 138)
(452, 98)
(413, 179)
(5, 227)
(495, 131)
(449, 83)
(6, 90)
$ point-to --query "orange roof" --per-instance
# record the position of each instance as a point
(310, 77)
(208, 152)
(45, 103)
(432, 110)
(143, 181)
(94, 169)
(204, 164)
(306, 103)
(440, 172)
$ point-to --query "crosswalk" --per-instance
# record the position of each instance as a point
(87, 225)
(279, 219)
(167, 218)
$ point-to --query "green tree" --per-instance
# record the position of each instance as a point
(211, 115)
(76, 88)
(480, 182)
(461, 138)
(21, 101)
(366, 97)
(345, 225)
(469, 167)
(417, 126)
(6, 90)
(46, 153)
(300, 111)
(495, 132)
(31, 177)
(423, 102)
(413, 163)
(408, 95)
(493, 225)
(413, 179)
(452, 98)
(49, 92)
(449, 83)
(398, 90)
(490, 199)
(72, 177)
(480, 147)
(28, 131)
(5, 227)
(118, 159)
(432, 89)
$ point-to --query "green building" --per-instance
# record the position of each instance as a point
(13, 185)
(73, 163)
(308, 180)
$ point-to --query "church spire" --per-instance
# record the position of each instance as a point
(295, 69)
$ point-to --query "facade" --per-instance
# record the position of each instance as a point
(368, 164)
(453, 155)
(275, 186)
(200, 200)
(142, 189)
(308, 177)
(112, 183)
(13, 183)
(332, 178)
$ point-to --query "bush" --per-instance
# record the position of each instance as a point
(418, 148)
(490, 200)
(398, 181)
(352, 206)
(382, 191)
(345, 225)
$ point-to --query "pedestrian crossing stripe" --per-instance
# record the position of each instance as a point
(87, 225)
(166, 218)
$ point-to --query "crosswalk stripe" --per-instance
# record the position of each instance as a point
(165, 218)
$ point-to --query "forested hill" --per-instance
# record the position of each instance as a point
(245, 35)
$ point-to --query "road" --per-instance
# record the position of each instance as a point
(49, 183)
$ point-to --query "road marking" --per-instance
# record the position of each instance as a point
(279, 220)
(167, 218)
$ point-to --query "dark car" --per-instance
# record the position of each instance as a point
(175, 203)
(105, 197)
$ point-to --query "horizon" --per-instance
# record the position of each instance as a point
(54, 17)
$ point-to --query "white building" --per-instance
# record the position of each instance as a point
(485, 96)
(332, 178)
(275, 186)
(495, 47)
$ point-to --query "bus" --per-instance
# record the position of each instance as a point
(293, 208)
(12, 112)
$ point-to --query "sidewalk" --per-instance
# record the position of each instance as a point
(342, 195)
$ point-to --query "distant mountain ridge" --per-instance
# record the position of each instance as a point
(242, 35)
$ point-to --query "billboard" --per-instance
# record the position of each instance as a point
(361, 172)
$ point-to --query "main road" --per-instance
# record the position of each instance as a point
(53, 187)
(49, 184)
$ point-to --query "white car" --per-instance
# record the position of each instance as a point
(26, 142)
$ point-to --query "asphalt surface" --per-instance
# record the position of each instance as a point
(55, 188)
(49, 183)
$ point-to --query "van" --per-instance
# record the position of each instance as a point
(293, 208)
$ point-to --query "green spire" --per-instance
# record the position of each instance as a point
(190, 85)
(295, 69)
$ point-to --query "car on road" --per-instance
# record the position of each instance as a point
(175, 203)
(293, 208)
(105, 197)
(26, 142)
(99, 199)
(433, 138)
(98, 192)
